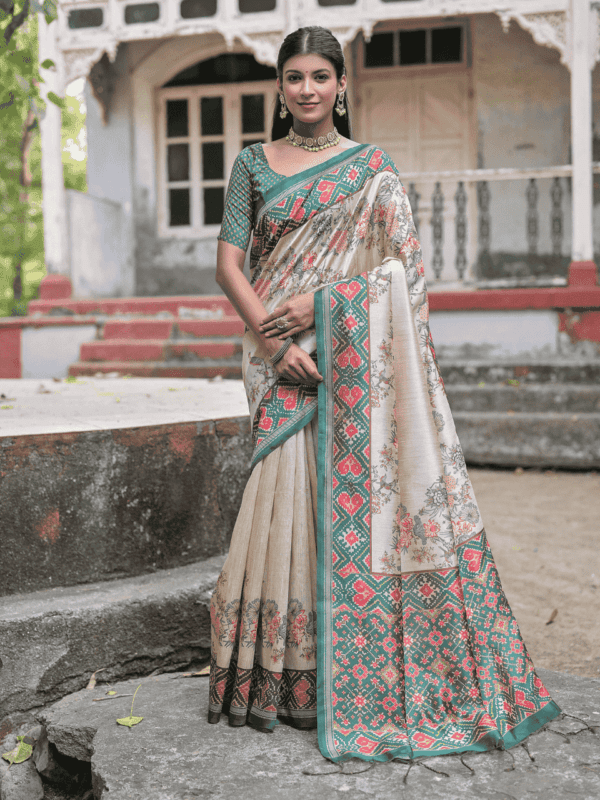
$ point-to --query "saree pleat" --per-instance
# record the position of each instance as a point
(263, 608)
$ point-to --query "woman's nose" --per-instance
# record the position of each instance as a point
(307, 89)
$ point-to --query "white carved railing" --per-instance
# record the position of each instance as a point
(482, 227)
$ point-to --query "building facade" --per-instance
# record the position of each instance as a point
(491, 112)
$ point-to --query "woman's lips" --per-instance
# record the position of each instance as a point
(308, 105)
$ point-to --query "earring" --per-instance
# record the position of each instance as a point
(283, 113)
(339, 106)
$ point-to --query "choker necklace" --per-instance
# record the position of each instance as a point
(318, 143)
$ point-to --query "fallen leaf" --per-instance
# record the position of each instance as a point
(92, 683)
(111, 692)
(19, 753)
(553, 616)
(129, 721)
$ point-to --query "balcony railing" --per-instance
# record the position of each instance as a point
(493, 227)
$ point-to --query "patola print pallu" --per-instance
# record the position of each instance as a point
(413, 649)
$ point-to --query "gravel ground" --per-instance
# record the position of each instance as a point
(544, 530)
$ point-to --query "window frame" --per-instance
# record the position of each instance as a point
(232, 138)
(414, 25)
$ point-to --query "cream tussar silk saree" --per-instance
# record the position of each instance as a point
(360, 591)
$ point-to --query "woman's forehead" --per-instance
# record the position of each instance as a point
(308, 62)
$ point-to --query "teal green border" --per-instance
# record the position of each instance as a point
(288, 184)
(324, 483)
(490, 740)
(296, 423)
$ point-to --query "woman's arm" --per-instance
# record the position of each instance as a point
(296, 365)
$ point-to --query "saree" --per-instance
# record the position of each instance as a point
(392, 631)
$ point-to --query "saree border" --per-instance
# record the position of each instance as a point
(300, 420)
(292, 182)
(324, 500)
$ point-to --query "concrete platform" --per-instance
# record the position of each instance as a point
(41, 406)
(174, 754)
(108, 479)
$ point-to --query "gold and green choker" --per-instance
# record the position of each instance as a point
(313, 144)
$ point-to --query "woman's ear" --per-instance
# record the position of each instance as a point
(342, 83)
(279, 91)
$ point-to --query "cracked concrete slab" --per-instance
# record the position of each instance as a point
(173, 754)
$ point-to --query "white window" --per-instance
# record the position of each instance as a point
(201, 131)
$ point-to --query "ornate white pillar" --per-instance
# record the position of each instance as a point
(583, 268)
(56, 284)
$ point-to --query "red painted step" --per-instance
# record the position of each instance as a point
(164, 329)
(157, 349)
(150, 306)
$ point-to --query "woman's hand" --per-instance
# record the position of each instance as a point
(297, 366)
(299, 313)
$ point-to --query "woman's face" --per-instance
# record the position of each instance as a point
(310, 87)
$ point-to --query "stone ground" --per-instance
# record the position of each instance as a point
(174, 754)
(544, 532)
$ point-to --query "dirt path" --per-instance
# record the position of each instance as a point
(544, 530)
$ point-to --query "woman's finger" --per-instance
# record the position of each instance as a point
(280, 311)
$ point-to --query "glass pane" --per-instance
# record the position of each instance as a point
(214, 203)
(446, 45)
(178, 162)
(211, 116)
(177, 118)
(143, 12)
(251, 6)
(253, 113)
(179, 207)
(212, 161)
(249, 142)
(191, 9)
(412, 47)
(379, 52)
(86, 18)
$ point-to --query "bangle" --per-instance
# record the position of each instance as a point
(276, 357)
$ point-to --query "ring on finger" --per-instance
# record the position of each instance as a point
(282, 323)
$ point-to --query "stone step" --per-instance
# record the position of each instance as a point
(207, 368)
(53, 640)
(527, 439)
(160, 349)
(145, 328)
(472, 371)
(537, 398)
(174, 754)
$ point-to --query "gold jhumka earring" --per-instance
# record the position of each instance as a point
(283, 113)
(339, 106)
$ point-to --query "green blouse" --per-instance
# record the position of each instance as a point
(251, 177)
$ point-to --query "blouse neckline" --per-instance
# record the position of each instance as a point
(307, 169)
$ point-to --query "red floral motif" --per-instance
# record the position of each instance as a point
(350, 504)
(350, 464)
(351, 396)
(290, 396)
(298, 211)
(349, 290)
(326, 188)
(364, 593)
(349, 356)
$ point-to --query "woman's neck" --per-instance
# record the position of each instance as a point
(313, 129)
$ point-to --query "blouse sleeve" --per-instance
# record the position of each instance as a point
(237, 217)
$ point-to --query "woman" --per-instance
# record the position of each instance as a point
(361, 517)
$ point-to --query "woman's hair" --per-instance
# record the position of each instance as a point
(321, 42)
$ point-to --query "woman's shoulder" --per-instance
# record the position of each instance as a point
(251, 156)
(380, 159)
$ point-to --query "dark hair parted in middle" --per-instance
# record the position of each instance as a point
(316, 41)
